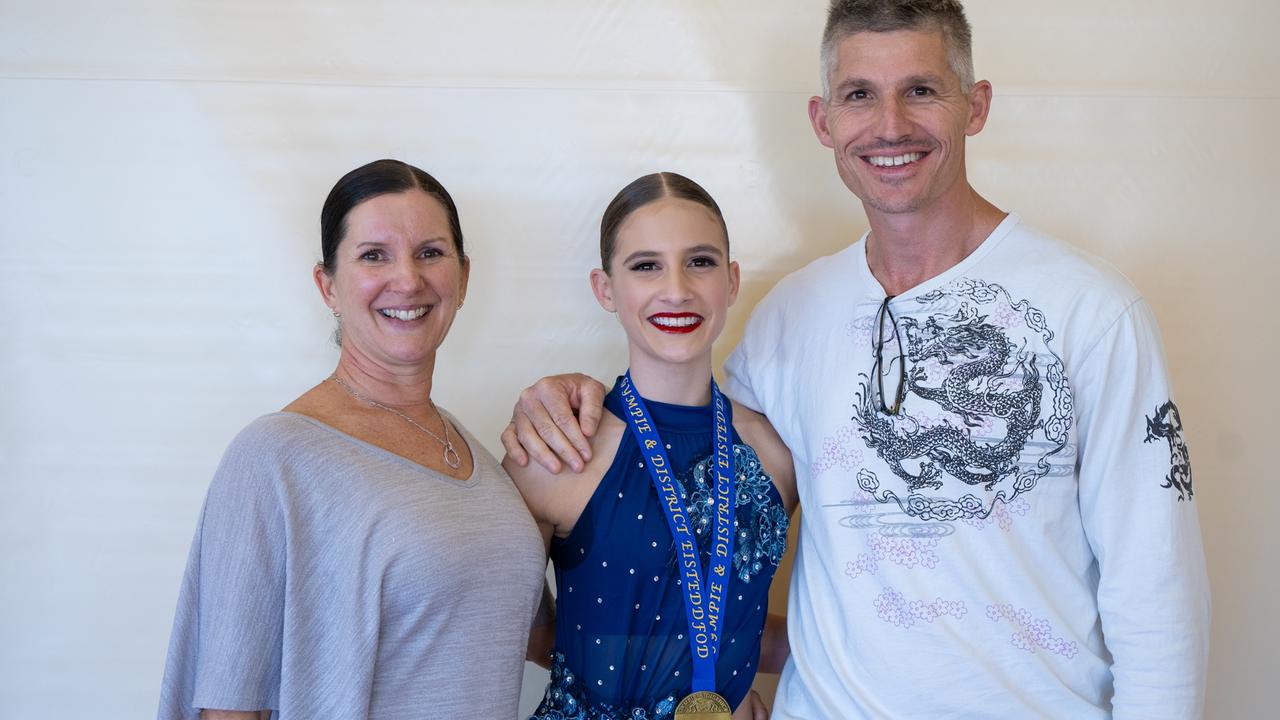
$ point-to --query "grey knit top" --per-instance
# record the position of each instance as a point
(330, 578)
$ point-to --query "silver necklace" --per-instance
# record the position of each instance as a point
(451, 456)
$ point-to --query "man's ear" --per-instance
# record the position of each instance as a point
(818, 119)
(979, 107)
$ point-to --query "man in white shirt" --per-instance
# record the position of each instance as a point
(998, 504)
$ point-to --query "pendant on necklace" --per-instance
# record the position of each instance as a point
(451, 457)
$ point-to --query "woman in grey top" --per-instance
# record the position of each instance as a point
(359, 554)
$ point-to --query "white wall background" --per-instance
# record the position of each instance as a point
(162, 166)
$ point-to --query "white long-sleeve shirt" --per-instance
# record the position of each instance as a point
(1021, 540)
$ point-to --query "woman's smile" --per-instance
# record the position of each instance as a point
(405, 314)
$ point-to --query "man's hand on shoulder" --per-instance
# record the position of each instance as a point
(553, 419)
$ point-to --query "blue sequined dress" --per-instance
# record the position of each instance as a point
(622, 648)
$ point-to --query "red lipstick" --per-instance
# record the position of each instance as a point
(676, 323)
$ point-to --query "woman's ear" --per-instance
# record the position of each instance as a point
(466, 279)
(324, 283)
(602, 287)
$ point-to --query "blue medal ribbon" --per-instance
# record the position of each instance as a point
(705, 593)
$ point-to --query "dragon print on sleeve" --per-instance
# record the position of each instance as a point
(1166, 423)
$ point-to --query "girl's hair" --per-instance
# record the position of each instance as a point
(645, 190)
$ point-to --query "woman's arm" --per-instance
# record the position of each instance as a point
(229, 619)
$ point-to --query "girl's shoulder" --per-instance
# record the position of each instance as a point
(557, 499)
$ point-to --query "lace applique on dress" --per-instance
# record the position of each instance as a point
(565, 699)
(761, 522)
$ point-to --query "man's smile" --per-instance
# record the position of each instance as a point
(893, 160)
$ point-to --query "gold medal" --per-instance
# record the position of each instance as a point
(703, 705)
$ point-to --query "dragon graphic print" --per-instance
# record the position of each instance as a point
(987, 406)
(1166, 423)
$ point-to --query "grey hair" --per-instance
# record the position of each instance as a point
(848, 17)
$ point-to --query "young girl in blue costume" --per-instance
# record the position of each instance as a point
(622, 639)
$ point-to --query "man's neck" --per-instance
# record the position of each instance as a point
(907, 249)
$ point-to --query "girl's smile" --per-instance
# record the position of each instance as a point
(676, 323)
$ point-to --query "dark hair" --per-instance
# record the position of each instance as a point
(380, 177)
(848, 17)
(643, 191)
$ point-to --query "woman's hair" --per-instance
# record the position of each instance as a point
(380, 177)
(643, 191)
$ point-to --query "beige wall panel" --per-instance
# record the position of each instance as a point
(743, 43)
(1179, 48)
(1140, 47)
(161, 171)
